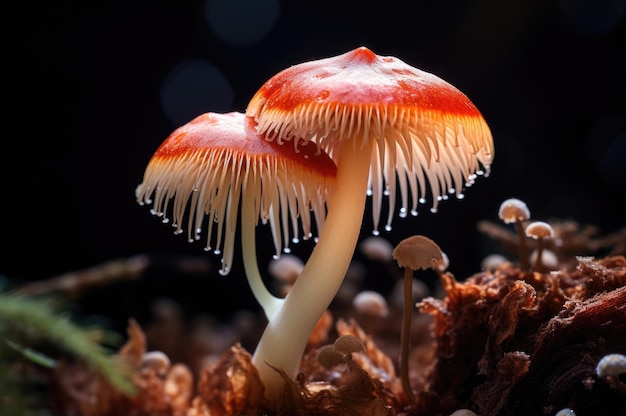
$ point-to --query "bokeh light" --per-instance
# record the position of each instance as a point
(605, 147)
(193, 87)
(595, 17)
(241, 22)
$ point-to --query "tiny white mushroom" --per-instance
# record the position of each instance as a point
(549, 259)
(463, 412)
(539, 230)
(371, 303)
(611, 365)
(515, 211)
(285, 269)
(492, 262)
(156, 361)
(376, 248)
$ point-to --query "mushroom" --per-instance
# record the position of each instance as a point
(412, 254)
(539, 230)
(208, 166)
(515, 211)
(387, 126)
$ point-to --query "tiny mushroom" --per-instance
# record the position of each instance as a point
(207, 166)
(611, 365)
(412, 254)
(285, 271)
(388, 126)
(515, 211)
(539, 230)
(370, 304)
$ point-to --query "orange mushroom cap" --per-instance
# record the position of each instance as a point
(208, 164)
(387, 126)
(425, 130)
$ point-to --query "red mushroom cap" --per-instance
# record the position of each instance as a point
(207, 165)
(426, 132)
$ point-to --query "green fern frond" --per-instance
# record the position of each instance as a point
(33, 318)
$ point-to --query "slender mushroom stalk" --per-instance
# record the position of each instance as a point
(206, 167)
(387, 126)
(412, 254)
(539, 230)
(515, 211)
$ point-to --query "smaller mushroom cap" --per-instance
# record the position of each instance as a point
(513, 210)
(539, 229)
(418, 252)
(205, 167)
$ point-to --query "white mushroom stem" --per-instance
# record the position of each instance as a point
(270, 303)
(285, 338)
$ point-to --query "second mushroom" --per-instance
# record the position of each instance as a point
(388, 126)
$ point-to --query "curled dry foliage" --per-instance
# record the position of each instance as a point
(503, 342)
(229, 387)
(159, 391)
(522, 343)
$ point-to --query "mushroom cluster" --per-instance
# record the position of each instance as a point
(318, 137)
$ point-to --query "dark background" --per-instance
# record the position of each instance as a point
(92, 88)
